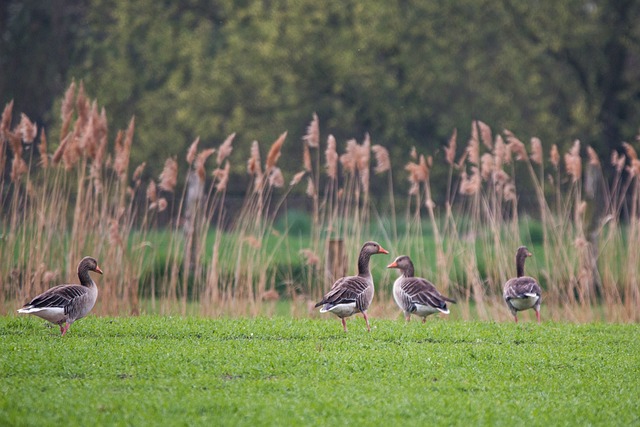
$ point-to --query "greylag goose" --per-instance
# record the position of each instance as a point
(415, 294)
(522, 292)
(64, 304)
(353, 294)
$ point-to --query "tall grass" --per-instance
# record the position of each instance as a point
(84, 198)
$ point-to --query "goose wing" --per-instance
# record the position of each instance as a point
(521, 287)
(421, 291)
(345, 290)
(59, 296)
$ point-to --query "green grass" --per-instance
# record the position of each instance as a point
(283, 371)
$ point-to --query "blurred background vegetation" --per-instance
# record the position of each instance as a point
(406, 72)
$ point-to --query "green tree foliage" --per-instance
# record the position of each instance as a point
(408, 72)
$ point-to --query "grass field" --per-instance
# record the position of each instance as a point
(282, 371)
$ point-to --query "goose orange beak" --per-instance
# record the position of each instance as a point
(383, 250)
(393, 265)
(98, 270)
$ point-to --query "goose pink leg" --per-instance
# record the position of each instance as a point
(538, 316)
(367, 320)
(65, 328)
(344, 324)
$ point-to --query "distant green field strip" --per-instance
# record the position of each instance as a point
(191, 371)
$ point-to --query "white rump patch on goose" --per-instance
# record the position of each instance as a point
(524, 303)
(52, 314)
(341, 310)
(426, 310)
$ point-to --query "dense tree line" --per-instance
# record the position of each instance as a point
(408, 72)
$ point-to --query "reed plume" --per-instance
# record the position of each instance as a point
(573, 162)
(515, 146)
(536, 151)
(618, 161)
(312, 137)
(152, 193)
(297, 178)
(331, 158)
(192, 151)
(306, 158)
(350, 157)
(450, 149)
(28, 129)
(554, 156)
(42, 149)
(200, 161)
(274, 152)
(169, 175)
(222, 176)
(486, 166)
(473, 148)
(225, 149)
(275, 178)
(485, 134)
(383, 163)
(363, 158)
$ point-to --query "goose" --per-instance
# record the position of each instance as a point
(353, 294)
(415, 295)
(64, 304)
(522, 292)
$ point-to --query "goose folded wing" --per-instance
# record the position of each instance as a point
(523, 287)
(345, 290)
(423, 292)
(59, 296)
